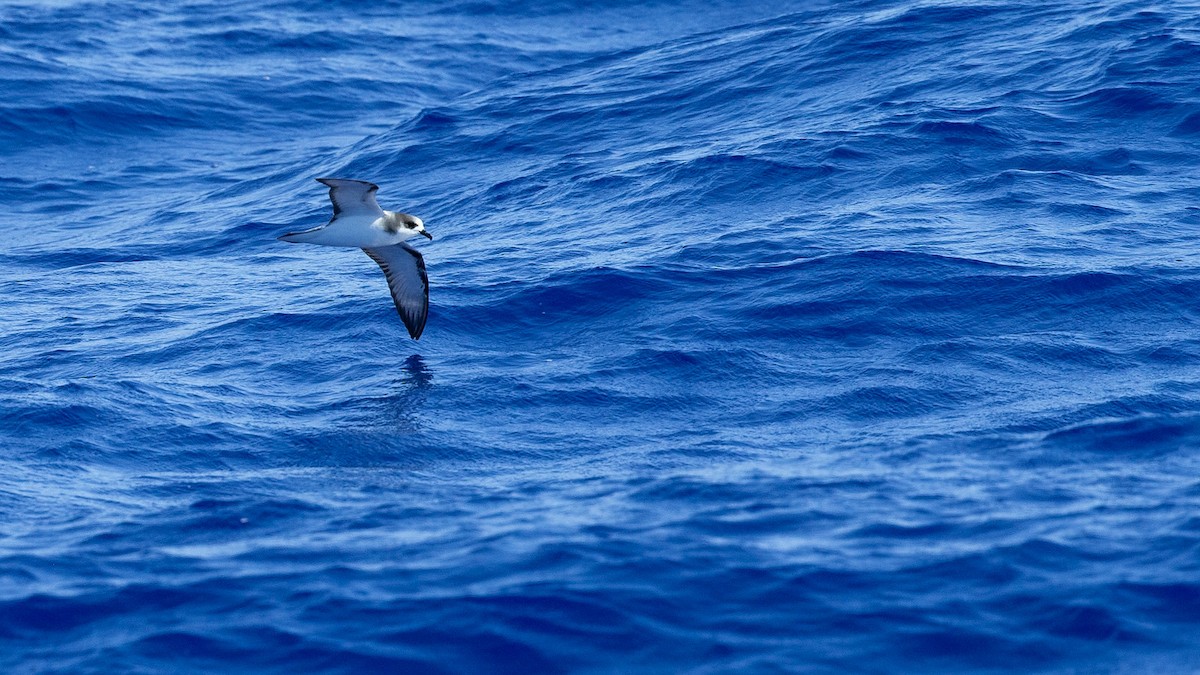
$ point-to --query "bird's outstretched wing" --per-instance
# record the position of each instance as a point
(405, 271)
(352, 197)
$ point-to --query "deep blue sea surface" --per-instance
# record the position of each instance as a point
(764, 337)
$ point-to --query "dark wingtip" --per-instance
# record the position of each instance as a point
(414, 332)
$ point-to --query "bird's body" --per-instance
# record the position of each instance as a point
(358, 222)
(351, 232)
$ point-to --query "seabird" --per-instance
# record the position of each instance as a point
(358, 222)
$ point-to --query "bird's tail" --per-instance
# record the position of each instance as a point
(302, 236)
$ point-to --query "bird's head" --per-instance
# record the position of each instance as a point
(407, 226)
(414, 225)
(419, 226)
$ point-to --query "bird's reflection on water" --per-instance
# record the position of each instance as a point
(418, 373)
(399, 406)
(383, 424)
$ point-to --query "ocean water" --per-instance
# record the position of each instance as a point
(764, 337)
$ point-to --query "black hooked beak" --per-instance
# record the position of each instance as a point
(427, 235)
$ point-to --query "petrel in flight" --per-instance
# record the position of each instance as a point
(358, 222)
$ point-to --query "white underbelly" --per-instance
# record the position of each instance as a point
(353, 232)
